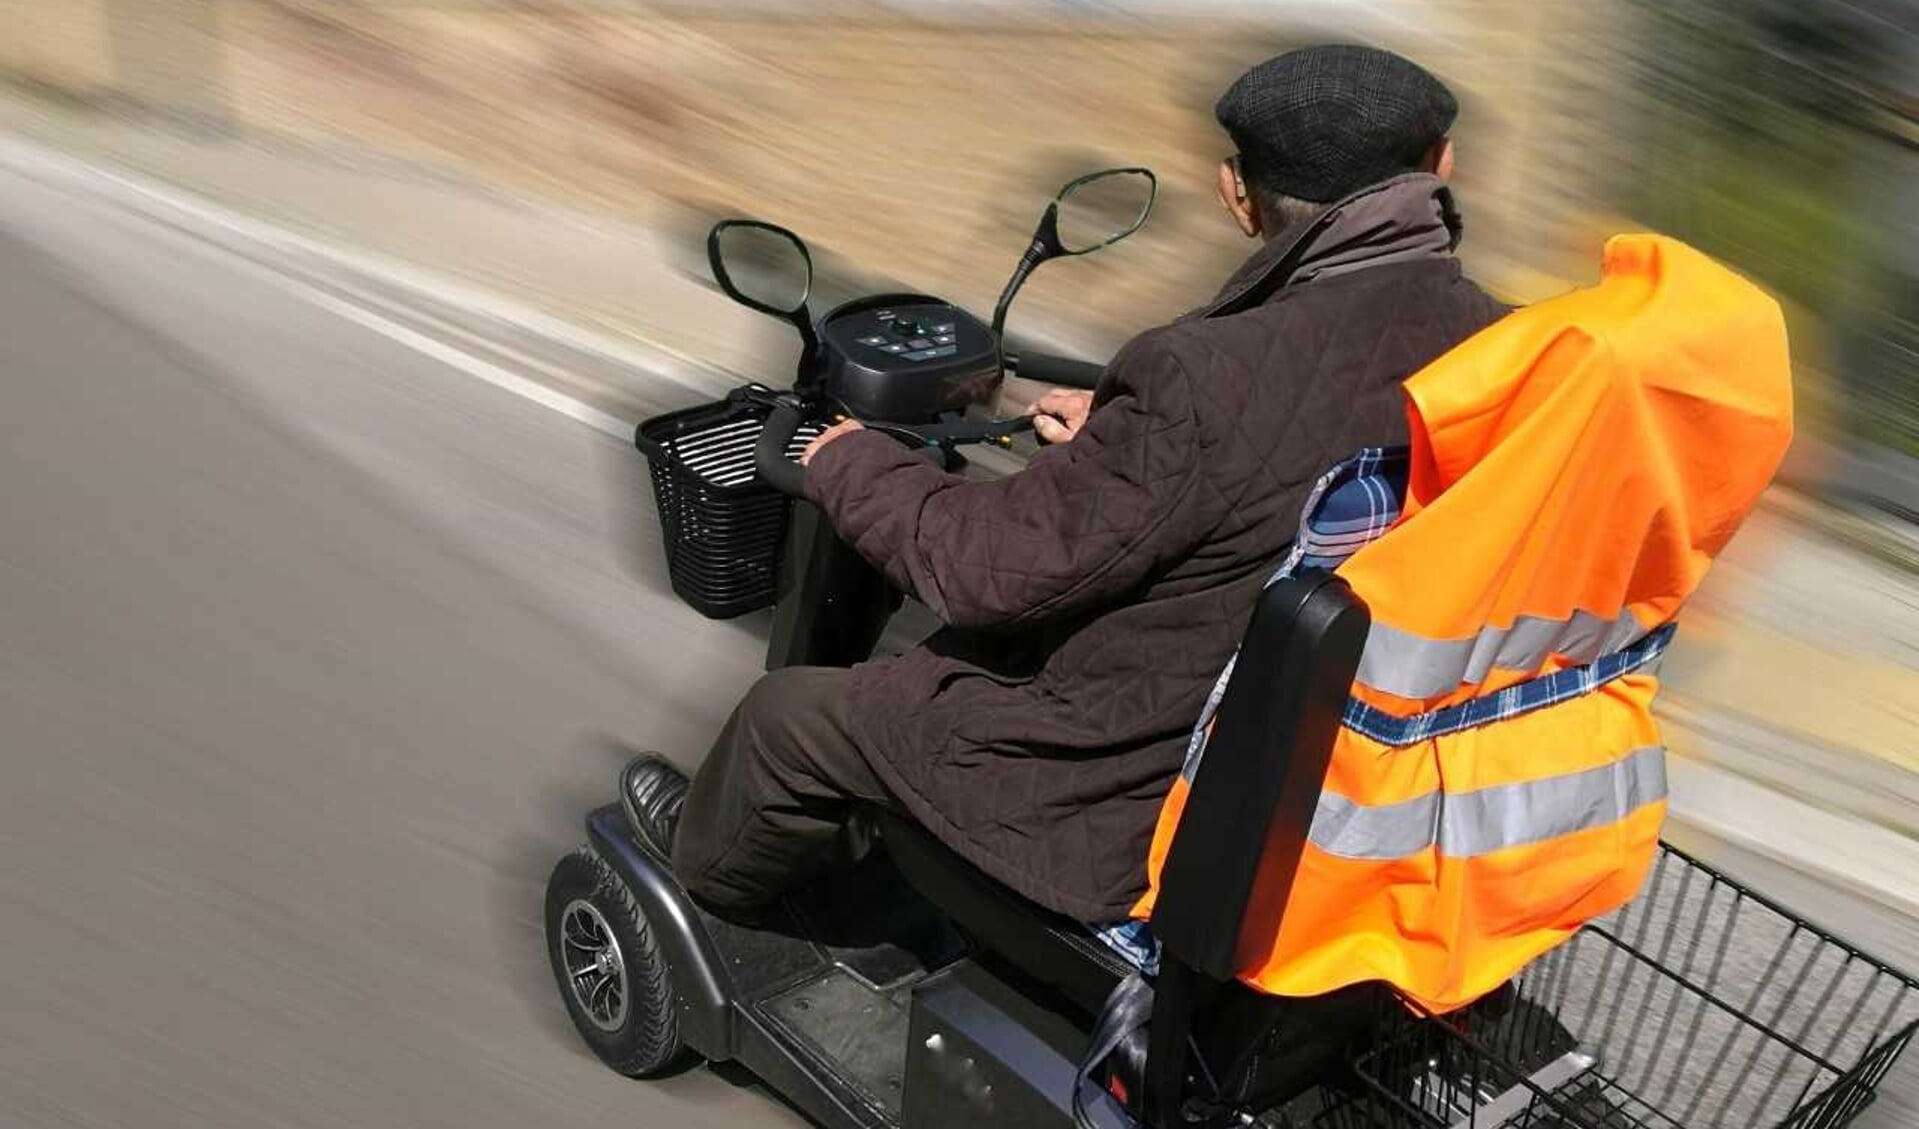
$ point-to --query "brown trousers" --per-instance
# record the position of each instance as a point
(771, 804)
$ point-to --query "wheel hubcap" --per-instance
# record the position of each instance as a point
(595, 970)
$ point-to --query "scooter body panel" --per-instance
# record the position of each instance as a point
(860, 1024)
(833, 605)
(981, 1052)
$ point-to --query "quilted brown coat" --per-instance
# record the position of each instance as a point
(1093, 598)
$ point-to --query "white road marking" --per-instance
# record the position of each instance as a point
(156, 201)
(361, 315)
(457, 358)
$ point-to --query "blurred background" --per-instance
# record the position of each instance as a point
(531, 179)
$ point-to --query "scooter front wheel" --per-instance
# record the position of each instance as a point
(612, 979)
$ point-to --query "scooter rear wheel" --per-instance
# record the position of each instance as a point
(616, 987)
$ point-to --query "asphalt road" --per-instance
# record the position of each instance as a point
(315, 653)
(315, 650)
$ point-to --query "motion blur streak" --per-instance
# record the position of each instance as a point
(315, 646)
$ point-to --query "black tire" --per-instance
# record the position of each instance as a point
(642, 1038)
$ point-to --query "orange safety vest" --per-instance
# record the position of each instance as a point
(1575, 467)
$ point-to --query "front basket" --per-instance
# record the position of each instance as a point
(724, 530)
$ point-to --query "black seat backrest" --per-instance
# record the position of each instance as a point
(1251, 804)
(1259, 782)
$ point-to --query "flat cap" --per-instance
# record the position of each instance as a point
(1321, 123)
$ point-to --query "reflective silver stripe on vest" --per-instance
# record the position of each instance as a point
(1413, 666)
(1467, 824)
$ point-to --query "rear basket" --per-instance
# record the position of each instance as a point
(724, 530)
(1701, 1005)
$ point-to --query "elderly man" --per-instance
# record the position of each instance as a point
(1093, 598)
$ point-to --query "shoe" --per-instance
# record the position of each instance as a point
(652, 792)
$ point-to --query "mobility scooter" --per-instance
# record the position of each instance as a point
(909, 989)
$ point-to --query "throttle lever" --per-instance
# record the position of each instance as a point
(1000, 431)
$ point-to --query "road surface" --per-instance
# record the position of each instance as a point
(315, 652)
(316, 648)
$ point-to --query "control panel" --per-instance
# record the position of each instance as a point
(912, 334)
(909, 360)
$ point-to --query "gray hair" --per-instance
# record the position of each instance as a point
(1282, 212)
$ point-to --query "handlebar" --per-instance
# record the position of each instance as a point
(788, 477)
(769, 454)
(777, 470)
(1065, 372)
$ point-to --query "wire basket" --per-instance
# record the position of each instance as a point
(1699, 1006)
(724, 530)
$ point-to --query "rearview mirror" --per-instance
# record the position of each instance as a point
(1090, 212)
(1101, 209)
(765, 267)
(761, 266)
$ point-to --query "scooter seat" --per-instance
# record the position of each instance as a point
(1264, 1050)
(1049, 947)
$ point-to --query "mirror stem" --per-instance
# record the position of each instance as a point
(1045, 245)
(808, 376)
(1036, 253)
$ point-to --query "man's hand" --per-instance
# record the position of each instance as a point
(843, 427)
(1058, 415)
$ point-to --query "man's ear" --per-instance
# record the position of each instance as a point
(1238, 201)
(1439, 159)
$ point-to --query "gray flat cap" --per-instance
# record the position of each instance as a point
(1324, 122)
